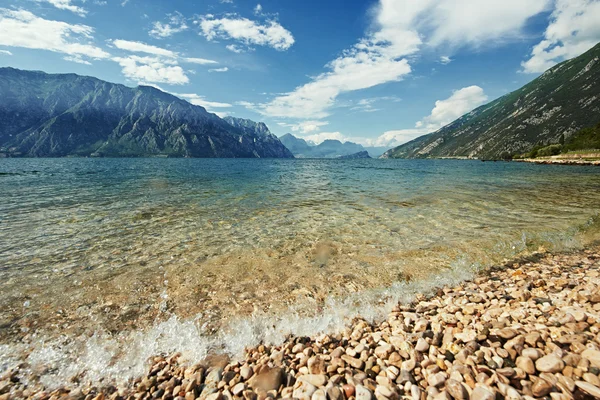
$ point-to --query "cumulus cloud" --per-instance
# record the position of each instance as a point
(20, 28)
(176, 24)
(573, 29)
(198, 100)
(152, 69)
(258, 9)
(304, 126)
(246, 31)
(445, 111)
(235, 48)
(162, 66)
(400, 29)
(318, 138)
(445, 60)
(224, 69)
(66, 5)
(77, 59)
(139, 47)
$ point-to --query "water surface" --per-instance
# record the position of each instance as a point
(151, 251)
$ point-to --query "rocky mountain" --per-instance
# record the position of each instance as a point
(268, 144)
(360, 154)
(549, 109)
(56, 115)
(327, 149)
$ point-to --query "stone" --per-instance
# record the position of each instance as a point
(268, 379)
(593, 356)
(383, 351)
(526, 364)
(246, 372)
(353, 362)
(319, 394)
(238, 389)
(437, 380)
(384, 391)
(303, 390)
(422, 345)
(483, 393)
(316, 365)
(550, 363)
(334, 393)
(456, 390)
(541, 387)
(589, 388)
(348, 390)
(362, 393)
(315, 380)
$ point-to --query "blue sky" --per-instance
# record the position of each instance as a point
(378, 72)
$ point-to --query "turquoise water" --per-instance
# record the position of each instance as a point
(120, 247)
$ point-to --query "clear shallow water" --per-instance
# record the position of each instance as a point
(158, 255)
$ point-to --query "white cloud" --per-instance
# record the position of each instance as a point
(246, 31)
(200, 61)
(66, 5)
(201, 101)
(318, 138)
(304, 126)
(235, 48)
(6, 52)
(400, 29)
(226, 1)
(77, 59)
(445, 111)
(224, 69)
(139, 47)
(20, 28)
(176, 24)
(445, 60)
(152, 69)
(258, 9)
(574, 28)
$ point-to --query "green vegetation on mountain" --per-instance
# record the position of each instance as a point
(56, 115)
(551, 108)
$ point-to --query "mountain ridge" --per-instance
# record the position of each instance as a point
(330, 148)
(58, 115)
(557, 104)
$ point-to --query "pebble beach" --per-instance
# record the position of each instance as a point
(528, 329)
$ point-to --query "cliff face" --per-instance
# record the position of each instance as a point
(561, 101)
(56, 115)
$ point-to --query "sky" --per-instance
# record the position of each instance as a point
(378, 73)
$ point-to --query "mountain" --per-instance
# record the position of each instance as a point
(299, 147)
(55, 115)
(557, 104)
(268, 144)
(327, 149)
(360, 154)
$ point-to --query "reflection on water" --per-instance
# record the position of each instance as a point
(122, 245)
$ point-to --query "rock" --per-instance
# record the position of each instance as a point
(383, 351)
(483, 393)
(315, 380)
(362, 393)
(348, 390)
(541, 387)
(316, 365)
(526, 364)
(238, 389)
(456, 390)
(415, 392)
(303, 390)
(246, 372)
(319, 394)
(422, 345)
(384, 392)
(550, 363)
(437, 380)
(334, 393)
(268, 379)
(353, 362)
(589, 388)
(593, 356)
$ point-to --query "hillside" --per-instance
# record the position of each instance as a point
(56, 115)
(557, 104)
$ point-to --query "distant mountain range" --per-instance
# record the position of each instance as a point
(326, 149)
(546, 111)
(57, 115)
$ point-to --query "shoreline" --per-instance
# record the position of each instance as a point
(559, 161)
(528, 328)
